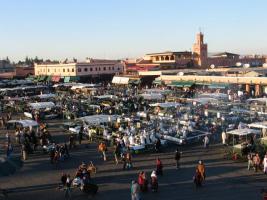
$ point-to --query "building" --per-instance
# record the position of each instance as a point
(198, 58)
(90, 70)
(24, 71)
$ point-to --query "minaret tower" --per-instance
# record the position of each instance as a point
(200, 51)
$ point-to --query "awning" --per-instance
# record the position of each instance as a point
(157, 82)
(181, 84)
(74, 78)
(55, 78)
(120, 80)
(218, 86)
(134, 81)
(66, 79)
(48, 78)
(202, 83)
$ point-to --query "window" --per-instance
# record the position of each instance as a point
(79, 70)
(118, 69)
(72, 69)
(109, 68)
(91, 69)
(48, 70)
(112, 68)
(99, 69)
(68, 70)
(85, 69)
(55, 70)
(96, 69)
(63, 69)
(104, 68)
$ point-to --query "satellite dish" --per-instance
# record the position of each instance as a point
(180, 74)
(212, 66)
(246, 65)
(238, 64)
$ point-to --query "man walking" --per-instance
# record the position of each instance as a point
(177, 158)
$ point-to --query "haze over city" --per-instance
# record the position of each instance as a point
(117, 29)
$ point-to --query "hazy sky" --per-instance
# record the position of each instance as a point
(58, 29)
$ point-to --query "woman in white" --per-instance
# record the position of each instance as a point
(265, 164)
(223, 137)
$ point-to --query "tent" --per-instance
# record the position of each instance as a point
(41, 105)
(24, 123)
(243, 132)
(98, 119)
(165, 105)
(258, 125)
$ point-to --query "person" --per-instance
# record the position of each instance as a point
(250, 160)
(264, 162)
(102, 148)
(135, 191)
(63, 179)
(177, 158)
(81, 135)
(9, 150)
(117, 153)
(68, 186)
(159, 167)
(154, 182)
(129, 163)
(158, 145)
(71, 142)
(256, 162)
(223, 138)
(206, 142)
(198, 178)
(201, 169)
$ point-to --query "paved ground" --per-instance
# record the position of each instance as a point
(225, 179)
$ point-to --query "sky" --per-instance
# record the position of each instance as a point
(58, 29)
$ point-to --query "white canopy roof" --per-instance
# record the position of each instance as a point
(152, 96)
(262, 100)
(97, 119)
(46, 96)
(243, 132)
(206, 100)
(258, 125)
(25, 123)
(214, 95)
(107, 97)
(166, 104)
(41, 105)
(120, 80)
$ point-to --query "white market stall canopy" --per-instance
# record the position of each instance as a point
(258, 125)
(24, 123)
(205, 100)
(98, 119)
(46, 96)
(243, 132)
(214, 95)
(107, 97)
(41, 105)
(153, 96)
(81, 86)
(156, 91)
(165, 105)
(120, 80)
(260, 100)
